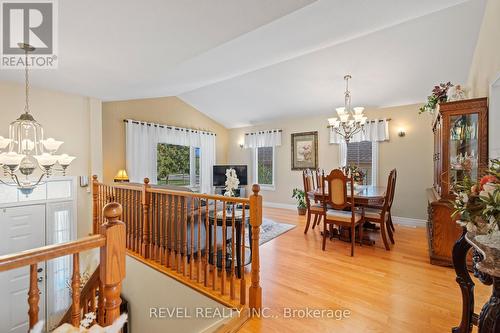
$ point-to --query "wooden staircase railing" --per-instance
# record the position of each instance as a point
(110, 240)
(89, 300)
(181, 234)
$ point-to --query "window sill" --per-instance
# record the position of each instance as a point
(267, 187)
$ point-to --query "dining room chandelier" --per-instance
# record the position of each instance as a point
(26, 158)
(350, 120)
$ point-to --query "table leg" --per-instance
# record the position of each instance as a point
(238, 250)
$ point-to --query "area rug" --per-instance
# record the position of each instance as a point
(270, 230)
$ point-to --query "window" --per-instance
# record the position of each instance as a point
(363, 155)
(264, 166)
(178, 165)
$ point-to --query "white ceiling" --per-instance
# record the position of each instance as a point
(243, 62)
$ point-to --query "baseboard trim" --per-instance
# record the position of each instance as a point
(405, 221)
(279, 205)
(409, 222)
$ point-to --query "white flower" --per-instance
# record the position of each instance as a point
(488, 188)
(232, 182)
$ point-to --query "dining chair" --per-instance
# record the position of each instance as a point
(337, 209)
(313, 208)
(382, 214)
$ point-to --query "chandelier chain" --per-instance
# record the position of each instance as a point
(27, 82)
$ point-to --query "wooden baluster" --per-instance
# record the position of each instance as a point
(199, 243)
(112, 266)
(130, 217)
(173, 231)
(184, 237)
(191, 252)
(33, 296)
(224, 246)
(75, 292)
(168, 229)
(100, 304)
(162, 228)
(95, 207)
(126, 216)
(179, 237)
(145, 248)
(93, 305)
(243, 286)
(207, 243)
(154, 222)
(214, 249)
(232, 290)
(255, 290)
(136, 203)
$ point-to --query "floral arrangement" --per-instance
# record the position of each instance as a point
(232, 182)
(478, 204)
(356, 173)
(439, 94)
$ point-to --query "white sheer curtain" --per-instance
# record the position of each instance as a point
(271, 138)
(373, 131)
(142, 141)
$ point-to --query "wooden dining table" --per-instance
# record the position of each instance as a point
(364, 195)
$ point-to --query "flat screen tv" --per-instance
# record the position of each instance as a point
(219, 175)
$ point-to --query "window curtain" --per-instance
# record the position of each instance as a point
(142, 141)
(374, 131)
(271, 138)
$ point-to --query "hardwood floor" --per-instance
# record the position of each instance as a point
(385, 291)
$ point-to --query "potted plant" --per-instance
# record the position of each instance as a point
(300, 196)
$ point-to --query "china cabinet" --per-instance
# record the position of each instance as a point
(460, 151)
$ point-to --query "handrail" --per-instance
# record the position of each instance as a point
(44, 253)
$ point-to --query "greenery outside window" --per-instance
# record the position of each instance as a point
(264, 167)
(178, 165)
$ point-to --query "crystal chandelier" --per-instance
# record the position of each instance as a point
(352, 120)
(27, 159)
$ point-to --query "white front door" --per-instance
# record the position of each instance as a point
(21, 228)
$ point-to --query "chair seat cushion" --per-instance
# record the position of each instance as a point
(373, 213)
(316, 208)
(342, 215)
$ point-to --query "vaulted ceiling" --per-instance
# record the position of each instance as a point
(243, 62)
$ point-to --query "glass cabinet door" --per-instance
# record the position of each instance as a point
(463, 147)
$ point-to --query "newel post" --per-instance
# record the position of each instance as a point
(112, 266)
(95, 208)
(255, 290)
(145, 248)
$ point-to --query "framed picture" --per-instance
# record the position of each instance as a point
(305, 150)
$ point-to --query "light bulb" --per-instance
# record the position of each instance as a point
(51, 144)
(46, 160)
(65, 160)
(4, 142)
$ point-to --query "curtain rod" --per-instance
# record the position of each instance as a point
(263, 132)
(168, 127)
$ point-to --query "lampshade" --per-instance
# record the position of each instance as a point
(121, 176)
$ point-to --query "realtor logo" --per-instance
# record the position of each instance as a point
(33, 23)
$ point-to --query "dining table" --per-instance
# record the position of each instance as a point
(364, 195)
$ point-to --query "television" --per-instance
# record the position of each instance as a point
(219, 174)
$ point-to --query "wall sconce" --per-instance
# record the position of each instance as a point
(401, 132)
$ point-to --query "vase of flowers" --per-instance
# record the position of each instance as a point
(477, 206)
(356, 173)
(232, 183)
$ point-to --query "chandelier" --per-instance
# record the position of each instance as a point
(350, 120)
(26, 158)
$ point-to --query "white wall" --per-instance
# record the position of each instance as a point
(147, 288)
